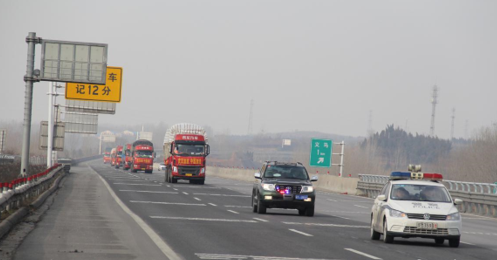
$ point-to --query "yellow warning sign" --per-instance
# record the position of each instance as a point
(110, 92)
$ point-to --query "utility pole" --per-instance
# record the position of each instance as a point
(434, 101)
(29, 78)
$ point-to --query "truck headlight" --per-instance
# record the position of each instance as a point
(203, 170)
(454, 217)
(397, 214)
(307, 189)
(175, 169)
(268, 186)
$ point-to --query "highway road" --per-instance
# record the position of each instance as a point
(215, 221)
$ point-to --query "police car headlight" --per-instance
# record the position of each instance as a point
(397, 214)
(268, 186)
(307, 189)
(454, 217)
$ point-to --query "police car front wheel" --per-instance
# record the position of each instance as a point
(386, 237)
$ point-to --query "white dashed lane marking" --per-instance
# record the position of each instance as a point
(206, 219)
(230, 257)
(362, 253)
(232, 211)
(137, 184)
(212, 204)
(147, 191)
(223, 195)
(167, 203)
(260, 219)
(197, 199)
(325, 225)
(300, 232)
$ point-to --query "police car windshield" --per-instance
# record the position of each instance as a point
(285, 172)
(419, 193)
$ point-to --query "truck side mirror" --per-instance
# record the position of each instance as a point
(208, 150)
(257, 175)
(171, 149)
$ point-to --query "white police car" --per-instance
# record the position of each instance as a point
(416, 204)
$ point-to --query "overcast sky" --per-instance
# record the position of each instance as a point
(308, 65)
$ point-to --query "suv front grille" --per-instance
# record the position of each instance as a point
(421, 216)
(414, 230)
(194, 170)
(293, 189)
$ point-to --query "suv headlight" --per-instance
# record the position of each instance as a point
(307, 189)
(268, 186)
(397, 214)
(454, 217)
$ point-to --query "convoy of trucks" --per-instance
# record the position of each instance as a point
(185, 150)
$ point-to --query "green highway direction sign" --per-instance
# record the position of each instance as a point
(321, 153)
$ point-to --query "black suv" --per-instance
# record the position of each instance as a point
(283, 185)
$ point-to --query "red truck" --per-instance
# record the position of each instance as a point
(113, 157)
(107, 155)
(119, 156)
(142, 152)
(185, 150)
(127, 157)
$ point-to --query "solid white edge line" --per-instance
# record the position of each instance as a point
(163, 246)
(300, 232)
(362, 253)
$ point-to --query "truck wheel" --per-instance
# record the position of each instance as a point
(201, 182)
(301, 212)
(173, 180)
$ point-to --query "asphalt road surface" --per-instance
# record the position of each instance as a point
(215, 221)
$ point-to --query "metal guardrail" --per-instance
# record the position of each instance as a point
(478, 198)
(13, 194)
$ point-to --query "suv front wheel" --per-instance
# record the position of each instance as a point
(261, 209)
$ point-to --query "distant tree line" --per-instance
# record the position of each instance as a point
(397, 148)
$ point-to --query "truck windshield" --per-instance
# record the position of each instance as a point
(189, 149)
(144, 154)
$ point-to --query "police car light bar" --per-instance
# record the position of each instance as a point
(416, 176)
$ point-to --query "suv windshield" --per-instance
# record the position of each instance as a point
(419, 193)
(286, 172)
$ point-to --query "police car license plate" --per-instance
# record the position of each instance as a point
(188, 174)
(301, 197)
(426, 225)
